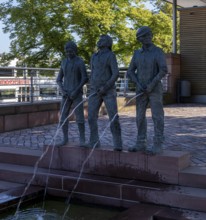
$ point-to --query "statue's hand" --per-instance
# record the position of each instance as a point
(141, 89)
(74, 95)
(64, 93)
(149, 88)
(101, 91)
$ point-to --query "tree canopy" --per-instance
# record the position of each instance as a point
(39, 29)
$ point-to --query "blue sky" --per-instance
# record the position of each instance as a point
(4, 38)
(5, 41)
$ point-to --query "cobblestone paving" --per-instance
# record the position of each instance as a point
(185, 130)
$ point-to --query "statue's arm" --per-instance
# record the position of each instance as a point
(59, 80)
(162, 65)
(84, 76)
(131, 73)
(84, 79)
(114, 72)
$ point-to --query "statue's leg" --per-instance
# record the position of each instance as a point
(111, 105)
(81, 127)
(65, 133)
(93, 110)
(141, 122)
(64, 122)
(158, 119)
(79, 113)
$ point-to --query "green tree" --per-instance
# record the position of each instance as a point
(39, 29)
(165, 7)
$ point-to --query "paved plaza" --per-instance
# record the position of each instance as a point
(185, 130)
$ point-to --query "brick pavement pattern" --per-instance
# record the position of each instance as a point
(185, 130)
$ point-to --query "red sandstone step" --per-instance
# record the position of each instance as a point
(148, 212)
(193, 176)
(4, 185)
(122, 190)
(110, 163)
(159, 168)
(18, 156)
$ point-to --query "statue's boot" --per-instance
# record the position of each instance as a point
(94, 141)
(94, 135)
(93, 144)
(140, 145)
(116, 133)
(117, 140)
(157, 145)
(65, 137)
(81, 128)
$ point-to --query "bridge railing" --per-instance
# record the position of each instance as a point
(29, 84)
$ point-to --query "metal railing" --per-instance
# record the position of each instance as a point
(28, 84)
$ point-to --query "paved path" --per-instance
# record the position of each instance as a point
(185, 129)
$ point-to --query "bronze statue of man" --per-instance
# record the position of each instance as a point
(104, 73)
(147, 68)
(71, 79)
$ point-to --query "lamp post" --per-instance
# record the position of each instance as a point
(174, 46)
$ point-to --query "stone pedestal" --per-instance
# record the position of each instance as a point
(105, 162)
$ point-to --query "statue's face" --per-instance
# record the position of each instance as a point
(70, 52)
(102, 42)
(145, 39)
